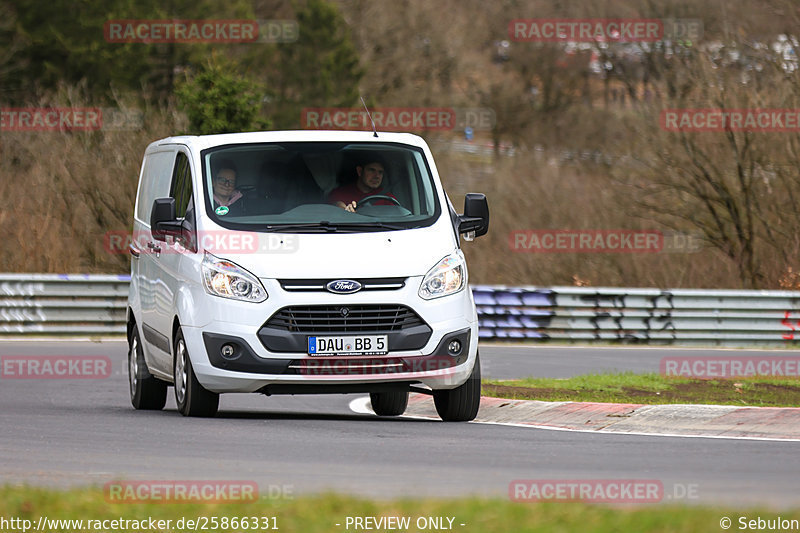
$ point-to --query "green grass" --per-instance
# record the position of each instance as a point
(318, 514)
(651, 388)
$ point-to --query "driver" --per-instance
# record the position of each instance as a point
(370, 178)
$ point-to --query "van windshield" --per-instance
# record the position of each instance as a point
(305, 186)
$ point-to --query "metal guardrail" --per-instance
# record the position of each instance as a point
(648, 316)
(63, 304)
(94, 305)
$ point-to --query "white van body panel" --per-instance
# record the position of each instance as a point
(387, 254)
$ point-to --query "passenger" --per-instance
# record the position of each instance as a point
(225, 192)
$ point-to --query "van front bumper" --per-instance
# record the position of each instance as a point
(243, 371)
(264, 359)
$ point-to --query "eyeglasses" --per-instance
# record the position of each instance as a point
(223, 181)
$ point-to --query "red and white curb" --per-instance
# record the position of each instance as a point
(704, 421)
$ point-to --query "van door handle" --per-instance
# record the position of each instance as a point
(154, 247)
(134, 251)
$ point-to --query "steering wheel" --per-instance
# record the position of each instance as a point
(368, 199)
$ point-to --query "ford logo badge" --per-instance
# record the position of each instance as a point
(343, 286)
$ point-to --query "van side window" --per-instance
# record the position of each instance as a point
(181, 188)
(154, 183)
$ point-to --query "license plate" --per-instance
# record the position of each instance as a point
(356, 345)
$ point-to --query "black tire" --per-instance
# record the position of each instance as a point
(389, 403)
(191, 397)
(461, 404)
(147, 392)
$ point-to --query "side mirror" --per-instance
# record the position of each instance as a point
(163, 221)
(475, 220)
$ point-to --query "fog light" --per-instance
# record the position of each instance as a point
(454, 347)
(227, 351)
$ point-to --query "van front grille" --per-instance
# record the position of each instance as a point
(318, 285)
(343, 319)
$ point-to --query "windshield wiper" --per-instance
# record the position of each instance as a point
(310, 227)
(328, 227)
(369, 226)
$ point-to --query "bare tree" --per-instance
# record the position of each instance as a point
(732, 184)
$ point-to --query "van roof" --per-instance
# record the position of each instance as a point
(201, 142)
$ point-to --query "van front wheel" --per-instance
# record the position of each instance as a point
(191, 397)
(389, 403)
(147, 392)
(460, 404)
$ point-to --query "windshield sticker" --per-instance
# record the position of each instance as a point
(222, 210)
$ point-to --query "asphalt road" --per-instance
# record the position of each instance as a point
(77, 432)
(516, 361)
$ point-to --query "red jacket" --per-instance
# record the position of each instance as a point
(351, 193)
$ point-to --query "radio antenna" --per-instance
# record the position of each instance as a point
(374, 131)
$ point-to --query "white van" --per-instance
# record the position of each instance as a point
(294, 262)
